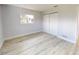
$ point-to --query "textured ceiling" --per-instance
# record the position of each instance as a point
(37, 7)
(43, 7)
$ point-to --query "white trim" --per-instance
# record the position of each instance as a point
(1, 43)
(9, 38)
(66, 39)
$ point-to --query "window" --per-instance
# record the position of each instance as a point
(26, 19)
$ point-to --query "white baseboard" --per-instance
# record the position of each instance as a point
(1, 43)
(66, 39)
(9, 38)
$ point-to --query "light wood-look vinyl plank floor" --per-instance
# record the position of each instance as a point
(37, 44)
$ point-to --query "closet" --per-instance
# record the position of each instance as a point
(61, 24)
(51, 23)
(46, 23)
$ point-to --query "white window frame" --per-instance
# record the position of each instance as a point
(27, 19)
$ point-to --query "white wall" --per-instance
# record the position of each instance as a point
(1, 35)
(78, 23)
(66, 23)
(11, 21)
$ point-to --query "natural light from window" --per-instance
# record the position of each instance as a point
(27, 19)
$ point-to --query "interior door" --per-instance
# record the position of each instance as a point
(46, 23)
(54, 24)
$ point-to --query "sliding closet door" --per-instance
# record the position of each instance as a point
(46, 23)
(54, 24)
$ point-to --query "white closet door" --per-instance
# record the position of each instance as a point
(54, 24)
(46, 23)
